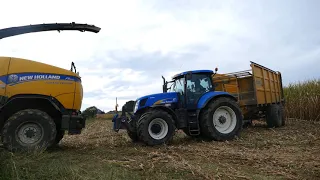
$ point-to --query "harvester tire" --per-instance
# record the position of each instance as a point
(149, 125)
(220, 112)
(59, 136)
(29, 129)
(274, 115)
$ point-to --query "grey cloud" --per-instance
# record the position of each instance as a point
(152, 64)
(280, 35)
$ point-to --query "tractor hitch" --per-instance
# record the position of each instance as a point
(122, 122)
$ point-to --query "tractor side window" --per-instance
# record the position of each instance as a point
(206, 83)
(199, 83)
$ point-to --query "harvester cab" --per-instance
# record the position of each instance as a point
(189, 102)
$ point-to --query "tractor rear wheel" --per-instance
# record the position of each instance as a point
(156, 127)
(29, 129)
(221, 120)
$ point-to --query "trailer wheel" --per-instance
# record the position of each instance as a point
(29, 129)
(156, 127)
(274, 115)
(283, 115)
(221, 120)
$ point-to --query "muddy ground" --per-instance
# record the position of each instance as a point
(290, 152)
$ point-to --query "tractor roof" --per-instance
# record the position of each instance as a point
(192, 72)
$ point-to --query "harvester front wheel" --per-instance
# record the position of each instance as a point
(221, 120)
(156, 127)
(59, 136)
(29, 129)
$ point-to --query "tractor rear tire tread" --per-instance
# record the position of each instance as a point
(132, 133)
(206, 121)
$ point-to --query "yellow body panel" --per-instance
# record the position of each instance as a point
(4, 64)
(267, 85)
(261, 86)
(21, 76)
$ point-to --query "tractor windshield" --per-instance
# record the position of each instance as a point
(178, 86)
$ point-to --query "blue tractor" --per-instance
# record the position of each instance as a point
(190, 103)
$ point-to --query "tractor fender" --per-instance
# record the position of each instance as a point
(162, 107)
(206, 98)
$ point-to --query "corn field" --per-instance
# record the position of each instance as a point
(303, 100)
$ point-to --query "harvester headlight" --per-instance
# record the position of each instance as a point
(136, 106)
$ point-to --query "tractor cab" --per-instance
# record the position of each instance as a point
(190, 86)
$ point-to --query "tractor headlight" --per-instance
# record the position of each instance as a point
(136, 106)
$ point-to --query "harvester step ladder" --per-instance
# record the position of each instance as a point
(193, 124)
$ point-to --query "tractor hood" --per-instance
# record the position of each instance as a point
(155, 99)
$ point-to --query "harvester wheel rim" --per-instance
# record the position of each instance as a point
(30, 133)
(224, 119)
(158, 128)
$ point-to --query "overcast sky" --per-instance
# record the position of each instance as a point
(142, 40)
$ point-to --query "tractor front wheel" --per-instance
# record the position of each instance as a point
(221, 120)
(156, 127)
(132, 131)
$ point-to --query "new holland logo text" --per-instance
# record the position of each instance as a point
(36, 77)
(13, 78)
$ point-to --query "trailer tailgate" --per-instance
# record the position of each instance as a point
(267, 84)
